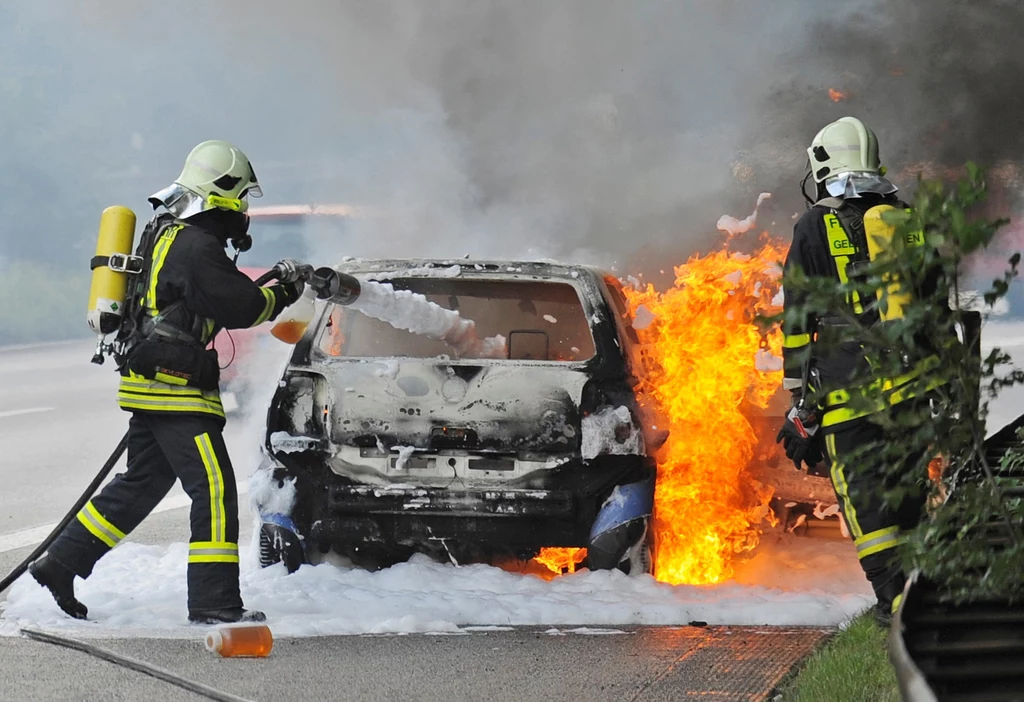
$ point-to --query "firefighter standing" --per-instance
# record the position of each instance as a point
(830, 241)
(169, 384)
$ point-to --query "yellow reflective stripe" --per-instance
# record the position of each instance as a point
(169, 379)
(212, 552)
(208, 326)
(216, 480)
(842, 488)
(268, 307)
(901, 386)
(159, 254)
(153, 387)
(838, 241)
(896, 602)
(169, 404)
(877, 536)
(841, 249)
(98, 526)
(879, 547)
(795, 341)
(210, 558)
(841, 397)
(839, 415)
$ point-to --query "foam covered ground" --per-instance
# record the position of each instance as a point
(139, 590)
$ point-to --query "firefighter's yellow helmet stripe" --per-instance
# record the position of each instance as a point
(215, 478)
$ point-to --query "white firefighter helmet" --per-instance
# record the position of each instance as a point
(216, 175)
(844, 146)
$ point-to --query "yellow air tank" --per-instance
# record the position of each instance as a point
(110, 277)
(880, 245)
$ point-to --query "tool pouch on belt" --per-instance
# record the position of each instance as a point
(175, 363)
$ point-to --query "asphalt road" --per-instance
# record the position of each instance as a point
(58, 422)
(638, 664)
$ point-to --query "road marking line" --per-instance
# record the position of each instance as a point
(30, 410)
(34, 535)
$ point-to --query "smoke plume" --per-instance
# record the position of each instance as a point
(590, 130)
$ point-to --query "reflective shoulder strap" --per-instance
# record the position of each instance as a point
(844, 233)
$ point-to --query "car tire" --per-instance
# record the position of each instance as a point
(626, 547)
(279, 544)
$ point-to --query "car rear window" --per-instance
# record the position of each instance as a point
(540, 320)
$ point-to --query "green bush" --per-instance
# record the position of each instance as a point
(954, 546)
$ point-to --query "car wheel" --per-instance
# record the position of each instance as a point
(626, 547)
(279, 544)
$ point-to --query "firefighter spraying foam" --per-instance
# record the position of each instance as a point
(842, 229)
(402, 309)
(166, 303)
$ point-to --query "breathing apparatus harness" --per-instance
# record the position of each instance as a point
(152, 345)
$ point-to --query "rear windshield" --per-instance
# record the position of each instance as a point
(540, 321)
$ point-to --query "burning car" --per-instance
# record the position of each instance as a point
(281, 231)
(382, 442)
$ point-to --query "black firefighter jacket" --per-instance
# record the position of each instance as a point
(201, 291)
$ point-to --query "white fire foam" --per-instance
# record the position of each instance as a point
(404, 309)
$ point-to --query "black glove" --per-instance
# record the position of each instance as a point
(801, 434)
(291, 292)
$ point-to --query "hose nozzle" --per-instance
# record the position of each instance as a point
(336, 287)
(288, 270)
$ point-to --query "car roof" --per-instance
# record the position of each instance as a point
(441, 268)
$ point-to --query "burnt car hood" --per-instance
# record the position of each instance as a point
(505, 407)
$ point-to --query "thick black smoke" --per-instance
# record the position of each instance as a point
(940, 82)
(589, 130)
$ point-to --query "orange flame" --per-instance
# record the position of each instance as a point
(700, 372)
(561, 560)
(836, 95)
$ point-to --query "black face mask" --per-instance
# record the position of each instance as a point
(236, 225)
(228, 225)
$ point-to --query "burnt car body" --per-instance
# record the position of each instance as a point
(387, 443)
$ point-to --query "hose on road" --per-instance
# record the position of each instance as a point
(134, 664)
(79, 503)
(91, 490)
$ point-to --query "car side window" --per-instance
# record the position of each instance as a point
(621, 307)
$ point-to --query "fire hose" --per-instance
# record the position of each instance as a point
(327, 282)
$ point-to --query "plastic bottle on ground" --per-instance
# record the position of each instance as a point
(249, 640)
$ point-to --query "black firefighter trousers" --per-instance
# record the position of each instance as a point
(162, 447)
(876, 528)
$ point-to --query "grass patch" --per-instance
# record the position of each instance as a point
(852, 667)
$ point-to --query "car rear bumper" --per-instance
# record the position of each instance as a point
(368, 500)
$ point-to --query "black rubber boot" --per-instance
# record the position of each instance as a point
(61, 583)
(888, 586)
(230, 615)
